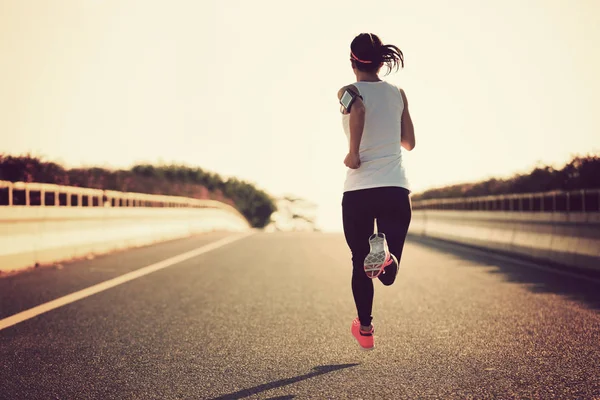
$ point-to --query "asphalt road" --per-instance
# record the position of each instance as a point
(268, 317)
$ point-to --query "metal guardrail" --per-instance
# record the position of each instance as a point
(46, 194)
(585, 200)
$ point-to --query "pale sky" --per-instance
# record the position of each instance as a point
(248, 88)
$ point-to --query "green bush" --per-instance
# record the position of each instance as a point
(176, 180)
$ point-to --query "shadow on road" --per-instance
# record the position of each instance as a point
(582, 290)
(320, 370)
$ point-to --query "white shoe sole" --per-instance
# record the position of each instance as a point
(377, 257)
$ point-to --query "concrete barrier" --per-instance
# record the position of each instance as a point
(32, 235)
(571, 239)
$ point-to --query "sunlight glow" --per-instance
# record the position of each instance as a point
(248, 89)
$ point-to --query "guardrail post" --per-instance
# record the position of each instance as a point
(56, 198)
(531, 203)
(79, 200)
(69, 194)
(520, 203)
(27, 197)
(42, 197)
(10, 194)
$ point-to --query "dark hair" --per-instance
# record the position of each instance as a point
(368, 47)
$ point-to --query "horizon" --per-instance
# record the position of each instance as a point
(248, 90)
(158, 163)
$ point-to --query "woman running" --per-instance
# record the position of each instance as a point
(376, 191)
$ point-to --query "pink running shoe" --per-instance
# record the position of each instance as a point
(365, 339)
(379, 256)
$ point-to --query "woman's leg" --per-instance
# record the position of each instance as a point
(393, 217)
(358, 218)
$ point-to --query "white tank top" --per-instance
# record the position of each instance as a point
(380, 150)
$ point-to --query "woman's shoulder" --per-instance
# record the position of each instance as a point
(383, 84)
(394, 86)
(396, 89)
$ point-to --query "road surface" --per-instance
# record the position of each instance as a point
(268, 316)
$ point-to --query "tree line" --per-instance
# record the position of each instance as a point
(176, 180)
(582, 172)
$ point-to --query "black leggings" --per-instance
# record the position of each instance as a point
(390, 206)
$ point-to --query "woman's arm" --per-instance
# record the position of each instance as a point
(357, 125)
(407, 136)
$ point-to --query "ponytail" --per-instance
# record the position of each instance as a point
(392, 57)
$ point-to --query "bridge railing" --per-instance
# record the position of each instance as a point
(43, 223)
(585, 200)
(46, 194)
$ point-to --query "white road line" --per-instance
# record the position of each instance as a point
(73, 297)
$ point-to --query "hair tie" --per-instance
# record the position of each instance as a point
(359, 60)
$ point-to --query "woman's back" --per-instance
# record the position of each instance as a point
(380, 149)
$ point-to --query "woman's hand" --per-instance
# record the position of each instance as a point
(352, 160)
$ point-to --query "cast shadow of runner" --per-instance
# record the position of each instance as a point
(538, 280)
(320, 370)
